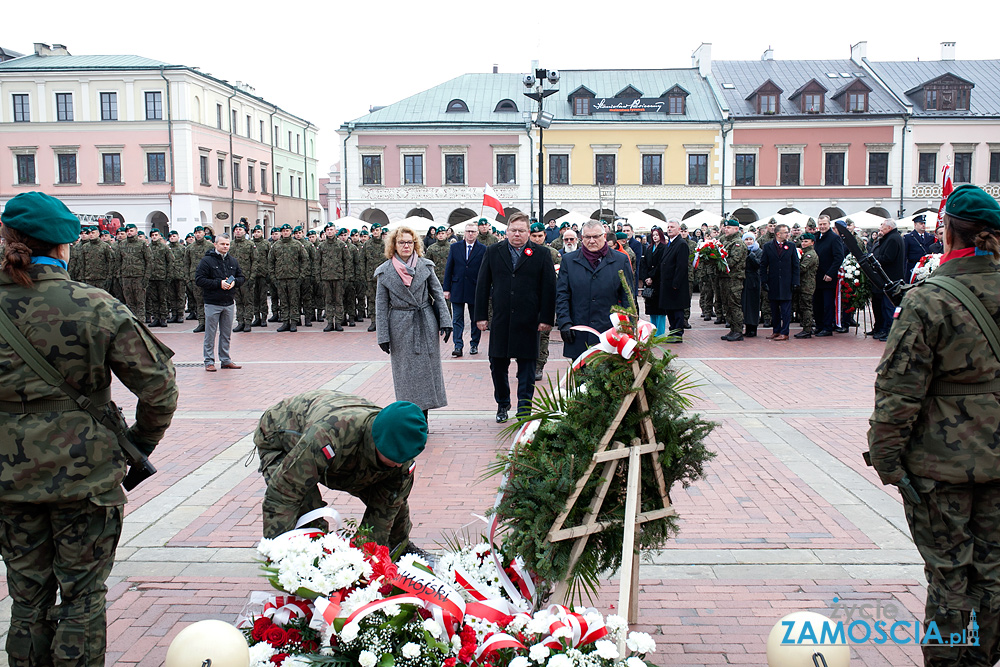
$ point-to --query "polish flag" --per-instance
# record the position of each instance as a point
(946, 188)
(490, 199)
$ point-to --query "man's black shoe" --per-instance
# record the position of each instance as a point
(457, 352)
(191, 316)
(199, 329)
(239, 327)
(687, 325)
(823, 333)
(733, 337)
(765, 324)
(285, 327)
(293, 329)
(371, 327)
(329, 326)
(882, 337)
(501, 415)
(804, 334)
(843, 329)
(473, 349)
(256, 322)
(273, 318)
(873, 332)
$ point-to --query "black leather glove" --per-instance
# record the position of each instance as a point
(385, 347)
(446, 332)
(568, 336)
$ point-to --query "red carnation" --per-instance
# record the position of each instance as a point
(385, 589)
(465, 655)
(505, 621)
(276, 636)
(450, 662)
(260, 626)
(424, 614)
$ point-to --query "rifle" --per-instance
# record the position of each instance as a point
(904, 485)
(893, 289)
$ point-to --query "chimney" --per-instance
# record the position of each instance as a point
(60, 50)
(947, 50)
(859, 52)
(768, 54)
(496, 68)
(42, 49)
(702, 59)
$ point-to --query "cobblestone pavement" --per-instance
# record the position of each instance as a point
(787, 517)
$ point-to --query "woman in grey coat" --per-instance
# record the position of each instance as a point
(410, 311)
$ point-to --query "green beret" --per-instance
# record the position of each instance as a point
(494, 229)
(103, 232)
(400, 431)
(285, 226)
(442, 228)
(732, 222)
(154, 229)
(342, 230)
(564, 225)
(353, 232)
(973, 204)
(199, 228)
(189, 235)
(375, 225)
(243, 220)
(130, 225)
(311, 232)
(364, 232)
(172, 232)
(142, 234)
(807, 237)
(258, 228)
(296, 229)
(621, 236)
(538, 227)
(42, 217)
(483, 221)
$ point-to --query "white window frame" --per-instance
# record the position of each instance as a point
(55, 108)
(64, 150)
(790, 149)
(603, 149)
(506, 149)
(699, 149)
(835, 148)
(101, 150)
(934, 149)
(747, 149)
(878, 148)
(653, 149)
(163, 111)
(411, 150)
(363, 152)
(100, 107)
(455, 150)
(25, 150)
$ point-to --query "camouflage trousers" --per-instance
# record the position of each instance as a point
(67, 548)
(288, 300)
(765, 311)
(258, 293)
(244, 304)
(306, 297)
(135, 297)
(350, 300)
(360, 290)
(956, 528)
(706, 297)
(731, 290)
(720, 308)
(806, 311)
(333, 291)
(158, 300)
(370, 294)
(543, 351)
(176, 288)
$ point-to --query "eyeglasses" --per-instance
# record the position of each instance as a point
(404, 242)
(591, 237)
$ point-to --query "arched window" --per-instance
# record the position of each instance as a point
(506, 105)
(457, 105)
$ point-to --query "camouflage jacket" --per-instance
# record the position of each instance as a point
(358, 274)
(374, 250)
(807, 271)
(136, 259)
(193, 254)
(349, 268)
(291, 439)
(557, 243)
(74, 265)
(178, 267)
(97, 261)
(438, 253)
(287, 260)
(313, 264)
(737, 257)
(243, 251)
(333, 259)
(935, 338)
(259, 267)
(162, 259)
(487, 239)
(86, 335)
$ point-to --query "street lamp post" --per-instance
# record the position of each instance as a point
(543, 119)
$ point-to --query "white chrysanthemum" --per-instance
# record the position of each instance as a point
(538, 625)
(640, 642)
(519, 661)
(411, 650)
(367, 659)
(358, 598)
(433, 628)
(606, 649)
(518, 623)
(260, 654)
(295, 661)
(350, 632)
(538, 653)
(616, 625)
(634, 662)
(410, 559)
(456, 644)
(561, 632)
(559, 660)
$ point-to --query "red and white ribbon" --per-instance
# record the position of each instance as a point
(430, 588)
(362, 612)
(496, 642)
(283, 608)
(580, 630)
(838, 298)
(615, 340)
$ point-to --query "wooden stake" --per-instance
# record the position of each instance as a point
(629, 557)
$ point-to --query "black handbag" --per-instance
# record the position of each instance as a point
(647, 292)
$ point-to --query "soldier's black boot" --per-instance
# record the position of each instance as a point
(719, 320)
(273, 318)
(337, 327)
(371, 327)
(329, 326)
(256, 322)
(191, 316)
(285, 327)
(263, 321)
(317, 316)
(805, 333)
(293, 329)
(247, 327)
(199, 329)
(154, 323)
(350, 322)
(239, 327)
(733, 336)
(309, 321)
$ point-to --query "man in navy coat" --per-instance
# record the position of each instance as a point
(522, 279)
(830, 250)
(779, 276)
(918, 243)
(461, 271)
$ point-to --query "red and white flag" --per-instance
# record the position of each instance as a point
(946, 188)
(490, 199)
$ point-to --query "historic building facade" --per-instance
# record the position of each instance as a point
(151, 143)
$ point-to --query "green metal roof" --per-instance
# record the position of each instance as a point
(33, 62)
(483, 92)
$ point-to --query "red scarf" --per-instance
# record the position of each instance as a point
(954, 254)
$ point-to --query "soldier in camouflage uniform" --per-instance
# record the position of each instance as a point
(366, 308)
(177, 278)
(766, 236)
(360, 282)
(115, 274)
(272, 284)
(305, 281)
(350, 270)
(807, 284)
(333, 260)
(312, 244)
(538, 236)
(97, 261)
(159, 297)
(692, 244)
(136, 268)
(374, 256)
(438, 252)
(557, 242)
(286, 262)
(731, 283)
(61, 500)
(194, 252)
(936, 426)
(259, 282)
(75, 254)
(486, 236)
(342, 442)
(243, 251)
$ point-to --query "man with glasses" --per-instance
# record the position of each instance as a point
(522, 279)
(461, 272)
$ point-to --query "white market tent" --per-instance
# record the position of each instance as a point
(460, 227)
(790, 219)
(415, 222)
(642, 221)
(573, 218)
(906, 224)
(350, 222)
(865, 220)
(700, 218)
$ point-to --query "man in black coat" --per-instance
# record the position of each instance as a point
(461, 270)
(779, 276)
(918, 243)
(674, 289)
(830, 250)
(219, 276)
(891, 254)
(522, 280)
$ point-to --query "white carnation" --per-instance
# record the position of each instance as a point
(559, 660)
(260, 654)
(634, 662)
(295, 661)
(367, 659)
(616, 625)
(456, 644)
(640, 642)
(538, 652)
(411, 650)
(606, 649)
(350, 632)
(432, 627)
(538, 625)
(519, 661)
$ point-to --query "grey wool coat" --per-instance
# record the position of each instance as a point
(408, 318)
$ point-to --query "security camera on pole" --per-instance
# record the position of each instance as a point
(543, 119)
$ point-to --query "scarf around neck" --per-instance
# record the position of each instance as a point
(595, 257)
(407, 269)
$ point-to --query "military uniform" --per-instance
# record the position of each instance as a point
(333, 260)
(306, 282)
(706, 296)
(947, 439)
(61, 501)
(692, 244)
(259, 282)
(177, 281)
(159, 273)
(360, 283)
(193, 255)
(97, 263)
(807, 287)
(731, 284)
(136, 269)
(325, 437)
(487, 239)
(243, 251)
(286, 261)
(350, 289)
(438, 253)
(374, 250)
(765, 303)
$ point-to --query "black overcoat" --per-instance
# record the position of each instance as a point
(750, 298)
(523, 298)
(651, 260)
(830, 250)
(779, 272)
(674, 288)
(585, 295)
(891, 254)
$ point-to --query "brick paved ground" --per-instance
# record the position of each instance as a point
(786, 518)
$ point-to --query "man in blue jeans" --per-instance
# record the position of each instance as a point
(218, 276)
(460, 273)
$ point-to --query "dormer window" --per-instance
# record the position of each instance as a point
(676, 100)
(457, 106)
(945, 93)
(766, 98)
(580, 100)
(629, 93)
(506, 105)
(812, 103)
(811, 97)
(767, 104)
(854, 96)
(857, 102)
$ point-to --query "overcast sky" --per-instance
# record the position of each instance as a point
(329, 62)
